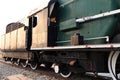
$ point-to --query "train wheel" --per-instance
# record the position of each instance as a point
(33, 65)
(64, 72)
(12, 61)
(113, 65)
(5, 59)
(17, 62)
(24, 63)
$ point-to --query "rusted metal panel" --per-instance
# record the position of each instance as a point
(21, 38)
(7, 41)
(42, 39)
(34, 40)
(39, 35)
(21, 55)
(13, 40)
(2, 42)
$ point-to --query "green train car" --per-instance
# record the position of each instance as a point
(72, 36)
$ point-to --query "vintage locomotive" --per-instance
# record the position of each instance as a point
(77, 36)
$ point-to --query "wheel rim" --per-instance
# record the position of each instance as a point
(24, 64)
(6, 59)
(17, 62)
(33, 65)
(65, 74)
(113, 57)
(12, 61)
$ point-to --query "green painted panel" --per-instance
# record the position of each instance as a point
(118, 3)
(69, 24)
(73, 9)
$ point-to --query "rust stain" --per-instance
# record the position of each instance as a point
(87, 46)
(111, 46)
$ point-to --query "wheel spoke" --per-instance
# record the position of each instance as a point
(6, 59)
(24, 63)
(17, 62)
(12, 61)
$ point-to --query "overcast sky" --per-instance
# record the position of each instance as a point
(14, 10)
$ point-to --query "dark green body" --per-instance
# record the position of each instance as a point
(70, 10)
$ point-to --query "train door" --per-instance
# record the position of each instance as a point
(52, 22)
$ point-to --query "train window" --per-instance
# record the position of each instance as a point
(33, 21)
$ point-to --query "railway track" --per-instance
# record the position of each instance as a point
(42, 71)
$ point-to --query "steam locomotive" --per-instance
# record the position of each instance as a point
(73, 36)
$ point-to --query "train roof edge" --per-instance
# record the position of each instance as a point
(36, 10)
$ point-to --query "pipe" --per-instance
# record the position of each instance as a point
(84, 19)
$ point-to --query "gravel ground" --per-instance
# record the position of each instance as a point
(8, 70)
